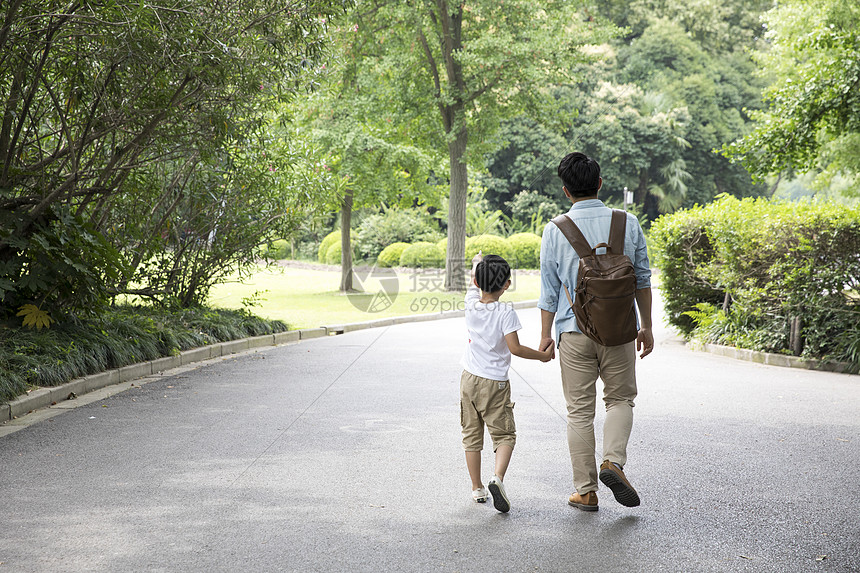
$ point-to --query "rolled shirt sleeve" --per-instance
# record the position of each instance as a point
(641, 265)
(550, 283)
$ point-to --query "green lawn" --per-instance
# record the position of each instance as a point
(307, 298)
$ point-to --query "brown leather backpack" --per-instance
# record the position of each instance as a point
(606, 285)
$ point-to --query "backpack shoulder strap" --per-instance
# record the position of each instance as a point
(617, 229)
(573, 235)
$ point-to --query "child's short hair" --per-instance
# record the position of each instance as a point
(492, 273)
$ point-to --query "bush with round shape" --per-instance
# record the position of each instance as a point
(333, 254)
(280, 249)
(394, 225)
(422, 255)
(526, 247)
(390, 255)
(328, 241)
(489, 245)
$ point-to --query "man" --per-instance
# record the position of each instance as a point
(582, 359)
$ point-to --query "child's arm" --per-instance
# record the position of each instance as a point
(475, 260)
(518, 349)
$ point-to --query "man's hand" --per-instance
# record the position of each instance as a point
(645, 342)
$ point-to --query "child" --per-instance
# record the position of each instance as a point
(485, 394)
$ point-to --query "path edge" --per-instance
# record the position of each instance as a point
(50, 396)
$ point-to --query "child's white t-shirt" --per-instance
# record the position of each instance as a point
(487, 354)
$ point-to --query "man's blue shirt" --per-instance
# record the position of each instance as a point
(559, 262)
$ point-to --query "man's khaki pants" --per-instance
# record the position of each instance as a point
(582, 361)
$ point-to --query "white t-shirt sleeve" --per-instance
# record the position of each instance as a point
(511, 322)
(473, 294)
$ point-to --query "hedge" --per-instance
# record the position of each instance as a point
(328, 241)
(742, 272)
(390, 255)
(526, 247)
(334, 254)
(422, 254)
(280, 249)
(489, 245)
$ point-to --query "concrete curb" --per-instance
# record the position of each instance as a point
(46, 397)
(772, 359)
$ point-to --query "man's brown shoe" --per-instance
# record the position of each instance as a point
(613, 478)
(586, 502)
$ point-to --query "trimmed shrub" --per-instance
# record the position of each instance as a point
(443, 244)
(489, 245)
(333, 254)
(390, 255)
(422, 255)
(526, 247)
(328, 241)
(280, 249)
(394, 225)
(741, 272)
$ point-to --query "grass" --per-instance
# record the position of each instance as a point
(309, 297)
(122, 335)
(271, 300)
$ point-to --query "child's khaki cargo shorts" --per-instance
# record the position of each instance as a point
(485, 401)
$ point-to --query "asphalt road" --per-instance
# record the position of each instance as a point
(343, 454)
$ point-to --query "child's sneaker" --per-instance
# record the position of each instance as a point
(500, 498)
(480, 495)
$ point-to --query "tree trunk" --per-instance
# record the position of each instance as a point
(456, 254)
(346, 243)
(454, 122)
(642, 190)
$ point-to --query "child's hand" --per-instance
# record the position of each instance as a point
(477, 258)
(549, 353)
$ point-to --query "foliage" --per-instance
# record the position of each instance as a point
(391, 255)
(813, 62)
(375, 161)
(280, 249)
(526, 249)
(334, 254)
(452, 71)
(490, 245)
(326, 243)
(392, 225)
(650, 107)
(422, 255)
(531, 210)
(150, 123)
(766, 263)
(57, 261)
(526, 161)
(120, 336)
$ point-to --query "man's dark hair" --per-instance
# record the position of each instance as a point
(492, 273)
(580, 174)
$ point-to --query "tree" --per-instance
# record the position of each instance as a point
(813, 117)
(98, 98)
(653, 105)
(373, 160)
(461, 67)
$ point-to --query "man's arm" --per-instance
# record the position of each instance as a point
(550, 283)
(546, 341)
(645, 338)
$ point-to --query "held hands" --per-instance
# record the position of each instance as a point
(547, 345)
(645, 342)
